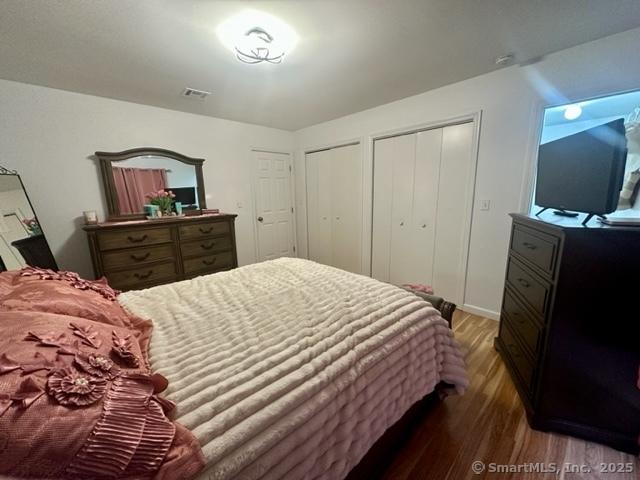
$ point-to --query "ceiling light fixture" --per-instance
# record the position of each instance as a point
(257, 37)
(504, 60)
(571, 112)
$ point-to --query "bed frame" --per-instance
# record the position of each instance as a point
(381, 454)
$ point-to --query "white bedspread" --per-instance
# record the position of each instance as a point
(292, 369)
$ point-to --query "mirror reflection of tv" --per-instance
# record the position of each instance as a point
(184, 195)
(583, 172)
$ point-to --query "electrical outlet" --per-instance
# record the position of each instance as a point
(485, 205)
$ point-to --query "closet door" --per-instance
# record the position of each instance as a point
(334, 207)
(384, 154)
(454, 199)
(402, 254)
(346, 207)
(421, 207)
(425, 203)
(319, 181)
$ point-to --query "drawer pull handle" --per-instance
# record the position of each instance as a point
(209, 262)
(524, 283)
(530, 246)
(205, 230)
(208, 247)
(137, 239)
(140, 258)
(142, 276)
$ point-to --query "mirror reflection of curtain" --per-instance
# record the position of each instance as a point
(133, 185)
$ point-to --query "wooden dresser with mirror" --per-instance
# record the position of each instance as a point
(133, 251)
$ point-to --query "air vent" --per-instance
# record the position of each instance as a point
(193, 93)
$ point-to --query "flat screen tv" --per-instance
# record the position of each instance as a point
(184, 195)
(583, 172)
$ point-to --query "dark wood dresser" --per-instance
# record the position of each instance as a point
(140, 254)
(569, 328)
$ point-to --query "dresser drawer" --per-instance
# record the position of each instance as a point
(202, 230)
(514, 314)
(135, 256)
(205, 246)
(209, 262)
(537, 247)
(133, 238)
(519, 359)
(535, 293)
(142, 275)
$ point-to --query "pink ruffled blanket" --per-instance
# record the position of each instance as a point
(77, 397)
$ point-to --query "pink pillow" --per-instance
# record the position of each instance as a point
(27, 290)
(60, 373)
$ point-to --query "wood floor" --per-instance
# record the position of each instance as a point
(488, 424)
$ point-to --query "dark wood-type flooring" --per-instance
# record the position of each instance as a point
(488, 424)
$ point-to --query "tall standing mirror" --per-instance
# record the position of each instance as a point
(22, 241)
(131, 177)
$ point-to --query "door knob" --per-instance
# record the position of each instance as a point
(424, 225)
(260, 219)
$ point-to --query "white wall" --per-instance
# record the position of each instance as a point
(49, 136)
(511, 101)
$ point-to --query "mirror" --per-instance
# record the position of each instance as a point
(132, 178)
(22, 241)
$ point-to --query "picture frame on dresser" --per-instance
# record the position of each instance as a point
(133, 251)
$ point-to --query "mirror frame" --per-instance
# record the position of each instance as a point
(107, 159)
(50, 260)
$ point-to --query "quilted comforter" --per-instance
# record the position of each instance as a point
(292, 369)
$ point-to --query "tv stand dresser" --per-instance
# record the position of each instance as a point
(143, 253)
(570, 328)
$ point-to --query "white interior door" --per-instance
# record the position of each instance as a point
(11, 229)
(274, 205)
(402, 253)
(346, 208)
(319, 191)
(334, 207)
(454, 211)
(422, 189)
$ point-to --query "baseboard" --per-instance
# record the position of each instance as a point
(483, 312)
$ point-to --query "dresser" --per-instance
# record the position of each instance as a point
(569, 330)
(139, 254)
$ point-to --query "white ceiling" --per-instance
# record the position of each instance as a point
(352, 54)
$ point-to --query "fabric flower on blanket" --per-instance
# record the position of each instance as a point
(47, 339)
(97, 365)
(122, 349)
(71, 388)
(88, 336)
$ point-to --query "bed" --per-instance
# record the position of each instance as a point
(292, 369)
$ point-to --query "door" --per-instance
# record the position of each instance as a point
(11, 228)
(334, 207)
(457, 170)
(421, 208)
(346, 208)
(319, 192)
(274, 205)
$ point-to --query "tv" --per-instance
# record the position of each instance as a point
(583, 172)
(184, 195)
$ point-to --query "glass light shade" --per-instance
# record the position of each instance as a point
(257, 36)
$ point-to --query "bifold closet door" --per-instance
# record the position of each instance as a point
(457, 169)
(420, 208)
(405, 194)
(334, 207)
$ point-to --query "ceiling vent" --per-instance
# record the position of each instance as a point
(193, 93)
